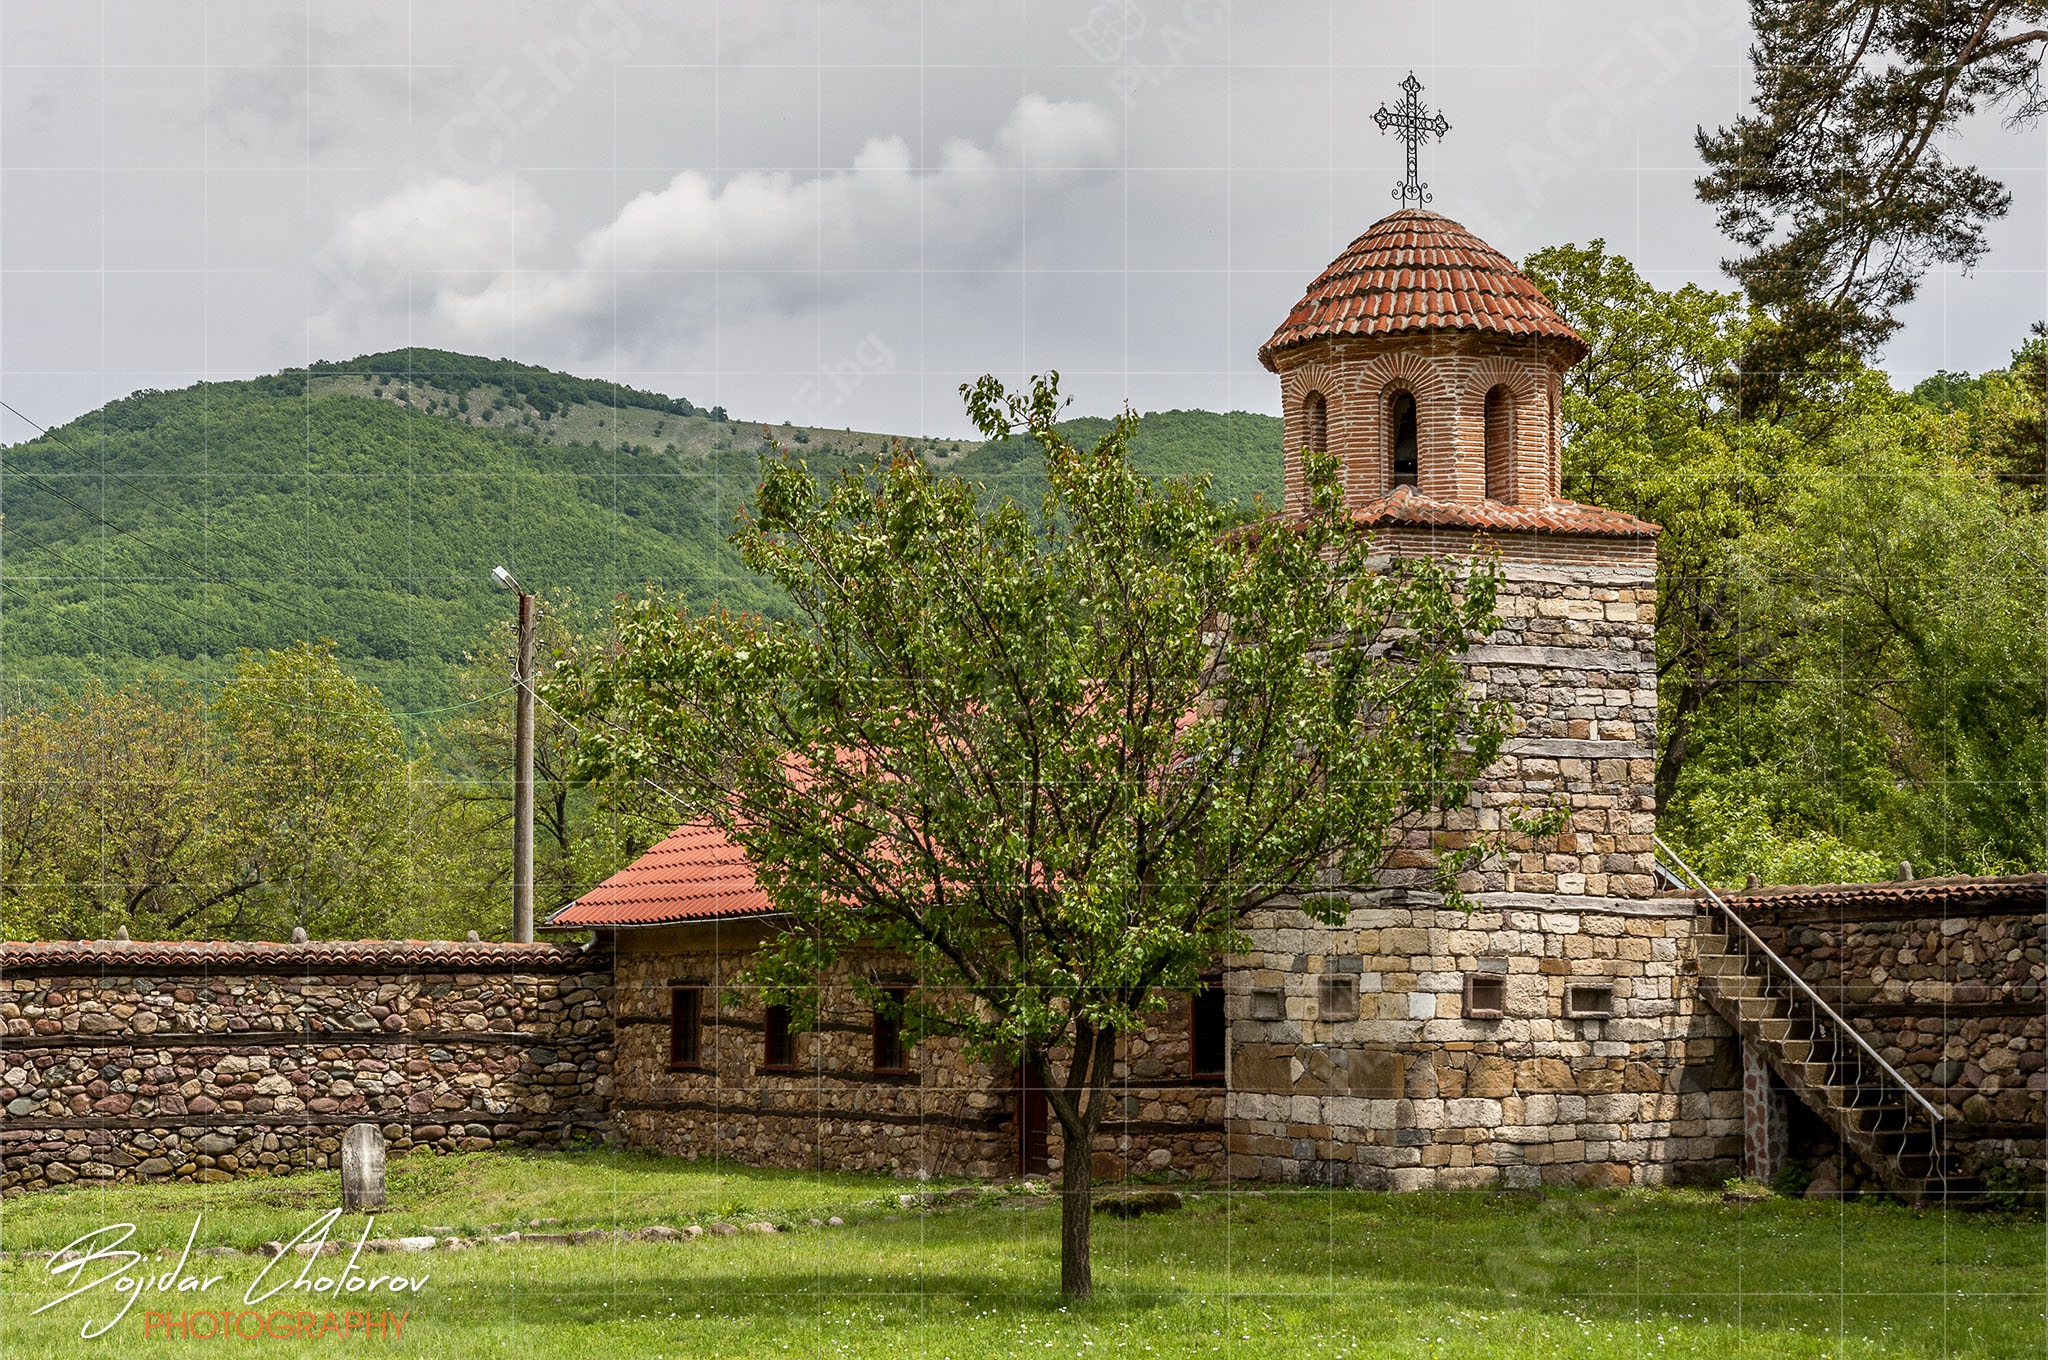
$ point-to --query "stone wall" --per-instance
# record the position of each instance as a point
(947, 1114)
(127, 1062)
(1409, 1093)
(1945, 979)
(1575, 657)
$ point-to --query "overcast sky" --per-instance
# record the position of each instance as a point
(835, 212)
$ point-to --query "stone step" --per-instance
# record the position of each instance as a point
(1756, 1008)
(1721, 966)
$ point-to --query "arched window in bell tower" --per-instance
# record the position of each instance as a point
(1500, 444)
(1315, 416)
(1401, 432)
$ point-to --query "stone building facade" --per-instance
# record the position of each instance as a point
(840, 1093)
(209, 1061)
(1558, 1033)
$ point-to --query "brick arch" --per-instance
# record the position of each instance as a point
(1436, 421)
(1526, 479)
(1295, 386)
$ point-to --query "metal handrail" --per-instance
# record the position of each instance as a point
(1797, 981)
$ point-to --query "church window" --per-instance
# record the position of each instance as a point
(1337, 996)
(1315, 413)
(685, 1026)
(1208, 1032)
(1500, 443)
(889, 1049)
(778, 1046)
(1589, 1003)
(1401, 425)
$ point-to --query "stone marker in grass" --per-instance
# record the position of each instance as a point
(362, 1169)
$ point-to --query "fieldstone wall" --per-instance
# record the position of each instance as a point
(135, 1062)
(1945, 978)
(947, 1114)
(1409, 1093)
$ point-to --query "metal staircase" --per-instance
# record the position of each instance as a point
(1896, 1131)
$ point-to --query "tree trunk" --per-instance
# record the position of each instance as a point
(1077, 1179)
(1080, 1103)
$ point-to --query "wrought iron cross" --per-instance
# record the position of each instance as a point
(1410, 124)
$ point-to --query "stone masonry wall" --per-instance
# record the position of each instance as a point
(1575, 657)
(948, 1114)
(136, 1062)
(1945, 979)
(1410, 1094)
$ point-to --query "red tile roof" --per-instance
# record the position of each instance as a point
(1415, 271)
(1404, 506)
(263, 957)
(697, 874)
(1957, 896)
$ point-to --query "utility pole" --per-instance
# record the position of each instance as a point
(522, 768)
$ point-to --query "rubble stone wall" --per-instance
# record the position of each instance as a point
(138, 1062)
(947, 1114)
(1950, 994)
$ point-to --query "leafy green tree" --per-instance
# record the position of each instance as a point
(109, 817)
(1650, 428)
(2007, 411)
(1052, 761)
(318, 789)
(1906, 593)
(1849, 605)
(1838, 186)
(288, 800)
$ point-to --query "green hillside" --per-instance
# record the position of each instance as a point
(367, 501)
(1239, 452)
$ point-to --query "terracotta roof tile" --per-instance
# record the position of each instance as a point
(1415, 271)
(259, 956)
(1955, 896)
(1404, 506)
(697, 873)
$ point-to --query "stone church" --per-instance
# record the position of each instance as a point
(1585, 1025)
(1590, 1023)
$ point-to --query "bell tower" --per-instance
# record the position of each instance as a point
(1425, 360)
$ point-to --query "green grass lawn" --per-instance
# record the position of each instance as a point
(1283, 1273)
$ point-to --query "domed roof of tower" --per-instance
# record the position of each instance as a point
(1411, 272)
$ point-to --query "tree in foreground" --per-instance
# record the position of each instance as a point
(1051, 760)
(1839, 185)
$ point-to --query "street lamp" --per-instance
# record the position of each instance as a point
(522, 766)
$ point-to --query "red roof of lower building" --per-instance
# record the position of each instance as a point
(697, 873)
(1405, 506)
(1414, 271)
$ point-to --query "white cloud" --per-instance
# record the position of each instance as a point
(795, 241)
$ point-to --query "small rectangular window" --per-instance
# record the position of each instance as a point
(1268, 1003)
(1208, 1032)
(777, 1047)
(1589, 1003)
(889, 1052)
(1337, 997)
(1486, 996)
(685, 1026)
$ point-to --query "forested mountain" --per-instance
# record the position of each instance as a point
(366, 501)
